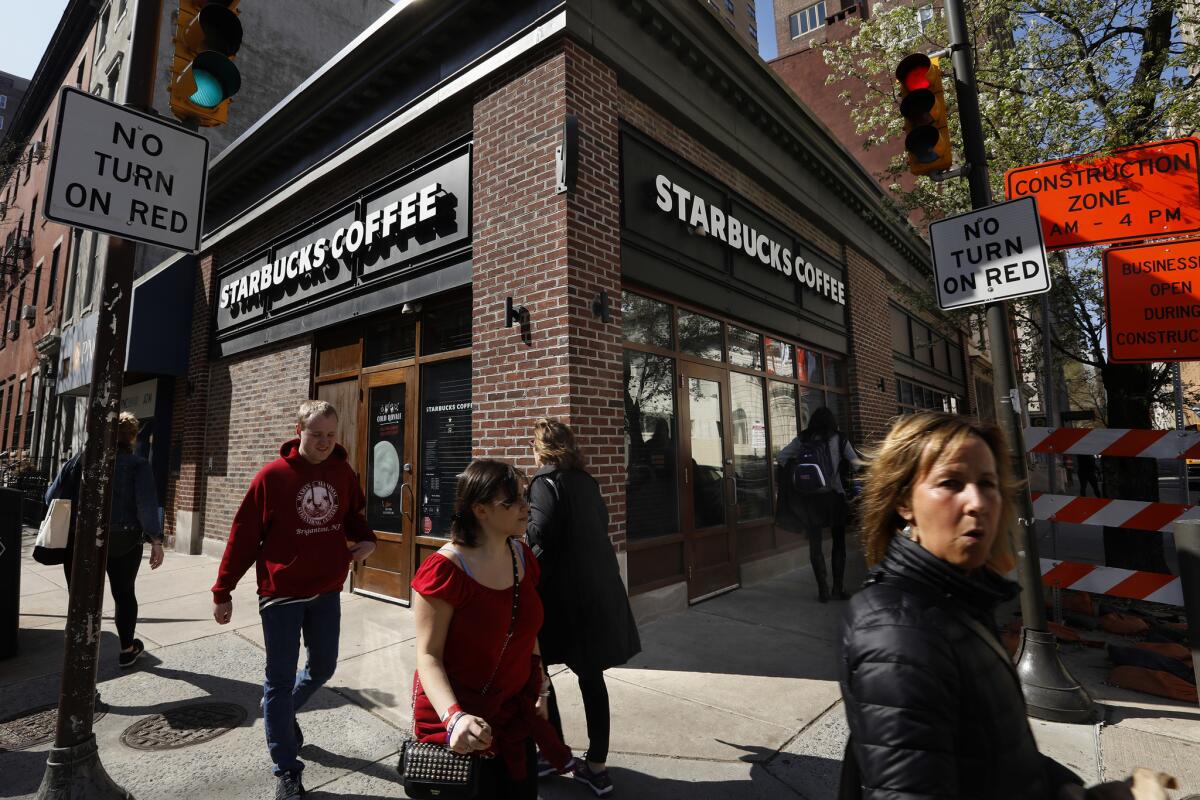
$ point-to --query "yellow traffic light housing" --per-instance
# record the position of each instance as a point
(208, 35)
(923, 106)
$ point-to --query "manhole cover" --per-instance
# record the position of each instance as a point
(183, 726)
(35, 726)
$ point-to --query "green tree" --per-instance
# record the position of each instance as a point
(1056, 78)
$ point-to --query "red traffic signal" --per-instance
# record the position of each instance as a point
(923, 106)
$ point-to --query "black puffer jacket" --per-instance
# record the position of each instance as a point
(589, 625)
(934, 710)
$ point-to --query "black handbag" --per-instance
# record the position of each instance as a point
(431, 771)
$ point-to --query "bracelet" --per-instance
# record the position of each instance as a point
(450, 728)
(451, 711)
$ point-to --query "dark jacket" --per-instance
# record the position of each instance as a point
(934, 711)
(589, 625)
(134, 500)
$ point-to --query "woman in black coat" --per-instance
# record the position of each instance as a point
(589, 625)
(932, 699)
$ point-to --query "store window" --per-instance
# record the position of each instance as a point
(650, 445)
(390, 339)
(912, 397)
(445, 439)
(751, 458)
(701, 336)
(446, 325)
(745, 348)
(773, 385)
(645, 321)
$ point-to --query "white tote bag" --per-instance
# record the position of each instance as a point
(56, 526)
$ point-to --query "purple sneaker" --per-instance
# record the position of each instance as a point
(598, 782)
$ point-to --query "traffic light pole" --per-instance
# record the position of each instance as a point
(73, 769)
(1050, 691)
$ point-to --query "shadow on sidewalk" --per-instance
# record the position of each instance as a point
(22, 772)
(384, 769)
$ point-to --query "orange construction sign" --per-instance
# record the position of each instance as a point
(1152, 293)
(1147, 191)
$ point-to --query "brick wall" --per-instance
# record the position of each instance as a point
(252, 411)
(594, 266)
(189, 414)
(871, 409)
(552, 253)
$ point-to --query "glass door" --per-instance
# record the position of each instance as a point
(708, 481)
(387, 437)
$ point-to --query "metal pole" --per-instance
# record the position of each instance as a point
(1184, 489)
(1187, 546)
(1050, 690)
(1050, 407)
(73, 769)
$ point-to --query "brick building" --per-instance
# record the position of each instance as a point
(691, 263)
(50, 273)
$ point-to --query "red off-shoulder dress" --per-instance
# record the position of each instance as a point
(473, 650)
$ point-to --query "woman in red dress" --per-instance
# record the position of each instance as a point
(480, 686)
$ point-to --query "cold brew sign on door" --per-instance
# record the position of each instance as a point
(386, 454)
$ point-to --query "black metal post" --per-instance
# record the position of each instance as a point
(1050, 690)
(10, 570)
(1187, 546)
(73, 769)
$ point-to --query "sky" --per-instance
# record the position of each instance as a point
(25, 34)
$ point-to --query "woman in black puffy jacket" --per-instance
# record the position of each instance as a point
(933, 702)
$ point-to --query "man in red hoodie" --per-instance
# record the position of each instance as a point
(301, 524)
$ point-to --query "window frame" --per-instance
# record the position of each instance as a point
(817, 19)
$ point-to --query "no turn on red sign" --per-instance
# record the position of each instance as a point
(989, 254)
(1152, 294)
(126, 173)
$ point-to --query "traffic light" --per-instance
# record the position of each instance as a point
(923, 106)
(208, 34)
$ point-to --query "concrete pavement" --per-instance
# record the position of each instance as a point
(735, 698)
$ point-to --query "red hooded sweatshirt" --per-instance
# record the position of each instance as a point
(294, 525)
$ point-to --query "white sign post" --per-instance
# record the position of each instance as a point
(989, 254)
(126, 173)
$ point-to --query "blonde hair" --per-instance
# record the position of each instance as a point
(311, 409)
(912, 447)
(127, 431)
(555, 444)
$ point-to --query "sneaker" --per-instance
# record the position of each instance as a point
(598, 782)
(546, 769)
(299, 734)
(289, 786)
(125, 659)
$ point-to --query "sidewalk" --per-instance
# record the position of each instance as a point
(735, 698)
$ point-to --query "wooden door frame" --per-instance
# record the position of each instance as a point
(406, 375)
(719, 375)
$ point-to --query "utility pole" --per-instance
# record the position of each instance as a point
(73, 769)
(1050, 690)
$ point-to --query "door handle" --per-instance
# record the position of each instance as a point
(403, 487)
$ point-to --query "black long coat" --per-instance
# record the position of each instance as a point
(934, 710)
(589, 625)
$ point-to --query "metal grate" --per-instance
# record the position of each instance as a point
(183, 726)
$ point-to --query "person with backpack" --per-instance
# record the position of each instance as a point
(812, 471)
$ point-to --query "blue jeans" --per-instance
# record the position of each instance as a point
(285, 691)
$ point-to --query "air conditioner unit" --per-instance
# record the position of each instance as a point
(39, 151)
(12, 329)
(28, 312)
(3, 209)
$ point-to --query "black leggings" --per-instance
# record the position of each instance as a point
(595, 711)
(495, 783)
(122, 571)
(837, 533)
